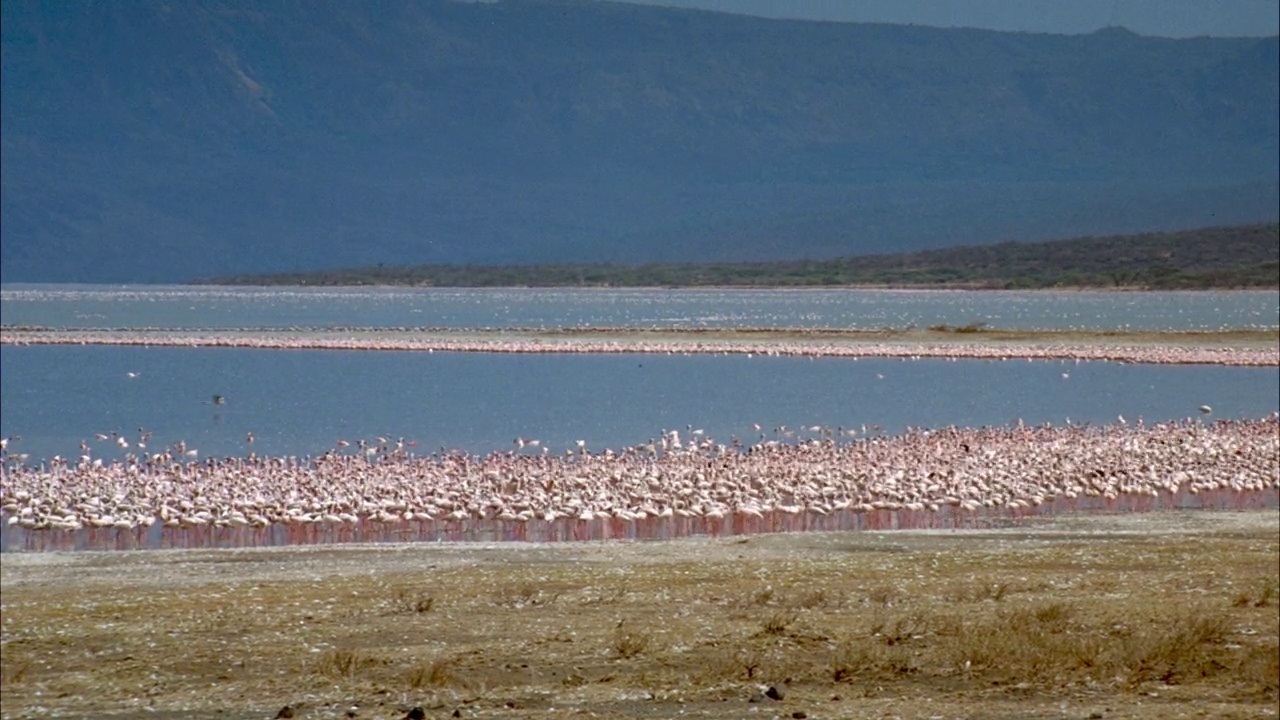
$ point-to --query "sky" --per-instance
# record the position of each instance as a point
(1165, 18)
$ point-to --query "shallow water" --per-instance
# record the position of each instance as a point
(225, 307)
(303, 402)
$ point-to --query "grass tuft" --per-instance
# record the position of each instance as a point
(405, 600)
(628, 643)
(1262, 594)
(863, 660)
(1181, 652)
(1261, 666)
(526, 594)
(435, 674)
(817, 598)
(883, 595)
(900, 629)
(762, 596)
(778, 622)
(343, 663)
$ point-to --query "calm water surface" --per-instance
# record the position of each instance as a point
(302, 402)
(206, 307)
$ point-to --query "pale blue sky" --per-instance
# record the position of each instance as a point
(1167, 18)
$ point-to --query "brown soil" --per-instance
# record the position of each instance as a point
(1149, 616)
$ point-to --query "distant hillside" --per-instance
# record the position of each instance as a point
(1231, 257)
(155, 141)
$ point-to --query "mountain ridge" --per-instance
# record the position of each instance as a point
(157, 141)
(1204, 258)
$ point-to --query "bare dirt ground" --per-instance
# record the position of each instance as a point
(1159, 615)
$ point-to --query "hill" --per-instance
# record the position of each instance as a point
(1229, 257)
(153, 141)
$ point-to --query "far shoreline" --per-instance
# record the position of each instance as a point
(196, 286)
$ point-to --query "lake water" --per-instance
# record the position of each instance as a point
(303, 402)
(206, 307)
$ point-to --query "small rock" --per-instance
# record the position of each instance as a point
(416, 714)
(773, 693)
(285, 712)
(799, 715)
(456, 713)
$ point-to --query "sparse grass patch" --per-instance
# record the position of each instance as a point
(1187, 648)
(973, 327)
(1088, 619)
(748, 661)
(1052, 617)
(762, 596)
(865, 659)
(995, 591)
(853, 660)
(628, 642)
(406, 600)
(883, 595)
(1262, 593)
(778, 622)
(606, 596)
(343, 663)
(435, 674)
(1015, 647)
(15, 675)
(817, 598)
(525, 594)
(1261, 666)
(1038, 643)
(900, 629)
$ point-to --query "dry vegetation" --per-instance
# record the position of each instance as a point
(1138, 616)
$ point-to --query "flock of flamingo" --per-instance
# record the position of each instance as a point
(667, 487)
(603, 340)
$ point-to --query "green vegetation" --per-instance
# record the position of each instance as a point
(1230, 257)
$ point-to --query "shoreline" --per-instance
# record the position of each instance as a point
(196, 286)
(1238, 348)
(368, 532)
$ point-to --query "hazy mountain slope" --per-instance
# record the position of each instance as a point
(160, 141)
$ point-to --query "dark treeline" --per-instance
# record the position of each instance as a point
(1229, 257)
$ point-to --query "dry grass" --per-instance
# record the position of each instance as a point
(433, 674)
(629, 642)
(988, 624)
(1261, 593)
